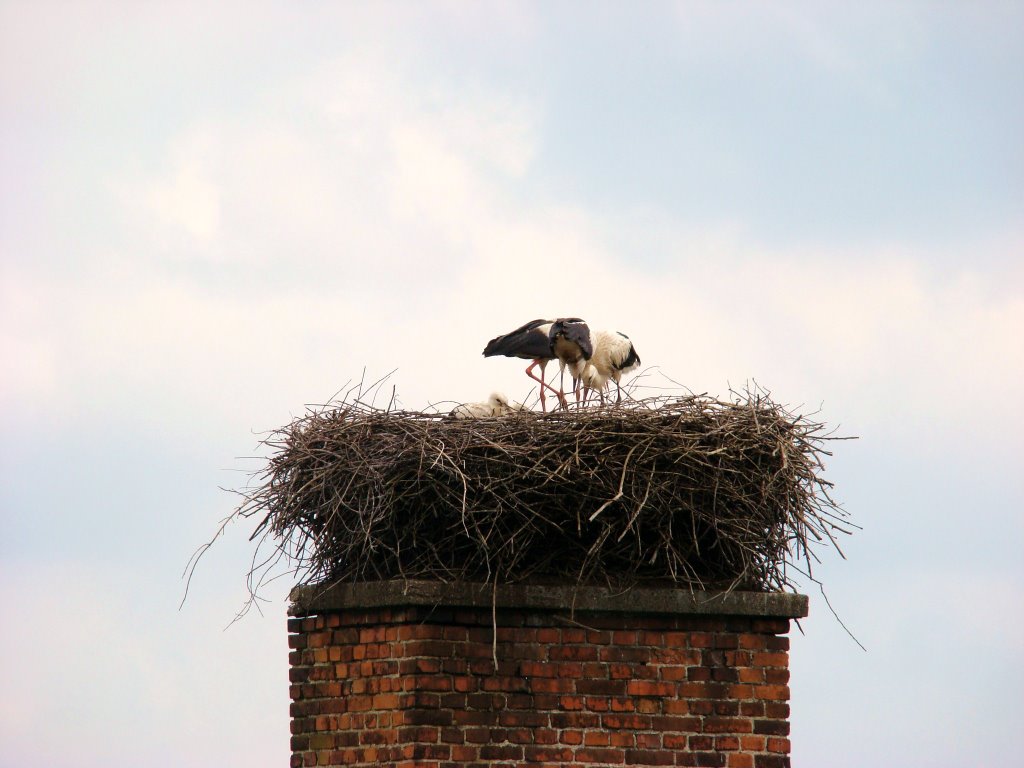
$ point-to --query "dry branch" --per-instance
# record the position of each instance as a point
(687, 490)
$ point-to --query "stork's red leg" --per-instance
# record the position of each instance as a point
(529, 372)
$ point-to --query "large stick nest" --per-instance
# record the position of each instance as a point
(687, 490)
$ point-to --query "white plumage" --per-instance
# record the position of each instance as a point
(497, 405)
(614, 355)
(594, 379)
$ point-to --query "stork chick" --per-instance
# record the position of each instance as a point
(497, 405)
(614, 355)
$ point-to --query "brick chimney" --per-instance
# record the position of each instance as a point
(414, 675)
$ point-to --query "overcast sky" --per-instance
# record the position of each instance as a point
(213, 214)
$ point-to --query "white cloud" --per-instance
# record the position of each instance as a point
(392, 224)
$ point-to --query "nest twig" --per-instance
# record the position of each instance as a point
(687, 490)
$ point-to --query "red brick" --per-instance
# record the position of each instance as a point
(674, 740)
(648, 740)
(544, 736)
(739, 692)
(559, 685)
(739, 760)
(452, 735)
(753, 743)
(773, 692)
(751, 675)
(700, 743)
(464, 684)
(627, 654)
(649, 706)
(727, 725)
(621, 704)
(523, 719)
(477, 735)
(546, 754)
(602, 756)
(648, 688)
(502, 752)
(570, 737)
(727, 743)
(601, 687)
(537, 669)
(752, 708)
(649, 757)
(571, 702)
(771, 727)
(753, 642)
(666, 723)
(385, 701)
(574, 671)
(770, 659)
(631, 722)
(698, 674)
(418, 688)
(465, 754)
(726, 640)
(701, 640)
(572, 653)
(672, 674)
(709, 759)
(700, 707)
(419, 733)
(676, 707)
(771, 626)
(574, 720)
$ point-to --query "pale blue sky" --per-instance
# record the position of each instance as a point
(211, 216)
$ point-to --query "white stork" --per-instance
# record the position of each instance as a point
(571, 344)
(497, 405)
(614, 355)
(528, 342)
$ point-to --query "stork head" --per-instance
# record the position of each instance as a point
(575, 330)
(593, 378)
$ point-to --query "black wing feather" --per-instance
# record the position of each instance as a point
(577, 331)
(631, 359)
(525, 342)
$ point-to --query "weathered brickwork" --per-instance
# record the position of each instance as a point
(417, 688)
